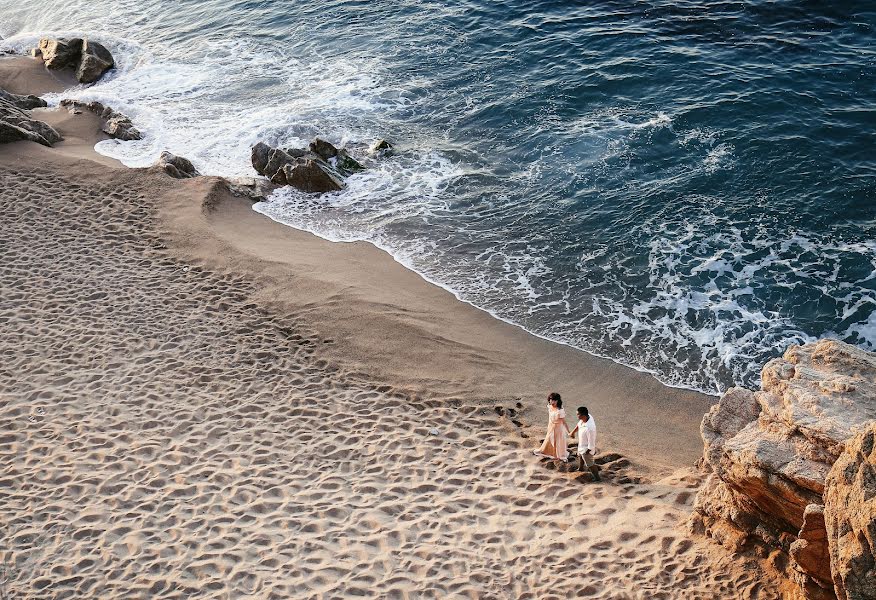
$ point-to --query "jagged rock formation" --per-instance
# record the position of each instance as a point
(90, 60)
(850, 517)
(23, 101)
(319, 169)
(115, 124)
(176, 166)
(770, 452)
(16, 124)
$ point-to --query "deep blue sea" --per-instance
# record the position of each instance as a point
(685, 187)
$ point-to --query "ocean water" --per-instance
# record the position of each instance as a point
(684, 187)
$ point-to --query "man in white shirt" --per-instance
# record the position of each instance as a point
(586, 429)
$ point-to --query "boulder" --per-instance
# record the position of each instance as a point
(61, 53)
(259, 157)
(850, 517)
(120, 127)
(26, 102)
(305, 170)
(94, 62)
(89, 60)
(769, 453)
(323, 149)
(380, 147)
(17, 124)
(311, 176)
(176, 166)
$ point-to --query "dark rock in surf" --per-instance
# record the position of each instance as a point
(176, 166)
(95, 61)
(305, 170)
(311, 176)
(259, 157)
(337, 158)
(380, 147)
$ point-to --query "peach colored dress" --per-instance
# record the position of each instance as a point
(556, 441)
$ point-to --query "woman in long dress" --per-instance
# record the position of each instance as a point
(555, 443)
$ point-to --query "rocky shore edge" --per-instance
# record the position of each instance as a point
(792, 470)
(320, 168)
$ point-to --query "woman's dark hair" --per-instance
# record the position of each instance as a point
(556, 397)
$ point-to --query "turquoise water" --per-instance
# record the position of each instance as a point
(686, 187)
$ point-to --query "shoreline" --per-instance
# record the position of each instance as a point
(198, 400)
(534, 334)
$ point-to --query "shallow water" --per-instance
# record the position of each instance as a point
(684, 187)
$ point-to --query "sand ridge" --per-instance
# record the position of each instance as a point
(165, 436)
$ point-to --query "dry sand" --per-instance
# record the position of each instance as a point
(199, 402)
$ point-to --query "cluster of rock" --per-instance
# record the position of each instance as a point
(89, 60)
(115, 124)
(793, 469)
(17, 124)
(320, 168)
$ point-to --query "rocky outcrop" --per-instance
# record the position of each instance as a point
(16, 124)
(26, 102)
(176, 166)
(88, 59)
(115, 124)
(850, 518)
(769, 453)
(307, 170)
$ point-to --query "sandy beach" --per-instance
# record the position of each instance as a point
(200, 402)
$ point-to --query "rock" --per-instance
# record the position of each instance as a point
(311, 176)
(323, 149)
(17, 124)
(259, 157)
(90, 60)
(116, 125)
(120, 127)
(345, 163)
(26, 102)
(176, 166)
(380, 147)
(339, 159)
(850, 517)
(769, 453)
(62, 53)
(302, 169)
(94, 62)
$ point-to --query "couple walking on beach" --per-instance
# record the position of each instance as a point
(555, 443)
